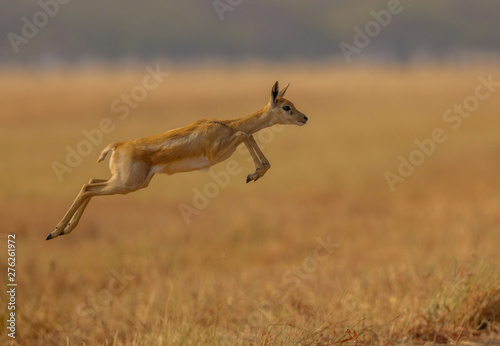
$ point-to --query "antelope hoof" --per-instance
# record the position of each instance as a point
(254, 176)
(54, 234)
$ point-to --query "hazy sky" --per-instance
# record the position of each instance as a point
(67, 30)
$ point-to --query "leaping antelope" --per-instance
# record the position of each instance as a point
(196, 146)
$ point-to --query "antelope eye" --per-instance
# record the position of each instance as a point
(286, 108)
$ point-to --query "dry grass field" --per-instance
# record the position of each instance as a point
(320, 251)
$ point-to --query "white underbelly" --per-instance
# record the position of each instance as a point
(183, 165)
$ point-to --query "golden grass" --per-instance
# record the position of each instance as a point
(420, 264)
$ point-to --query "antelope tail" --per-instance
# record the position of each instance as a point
(106, 150)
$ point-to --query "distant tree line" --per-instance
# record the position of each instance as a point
(51, 31)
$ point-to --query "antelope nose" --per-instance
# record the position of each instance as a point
(305, 118)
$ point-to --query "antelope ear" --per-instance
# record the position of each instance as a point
(274, 93)
(282, 92)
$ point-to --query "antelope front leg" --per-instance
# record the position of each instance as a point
(262, 165)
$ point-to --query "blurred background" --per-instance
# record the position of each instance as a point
(117, 30)
(357, 231)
